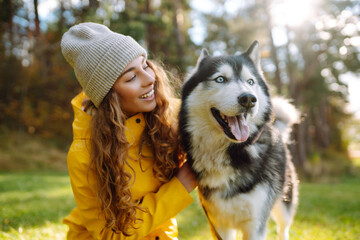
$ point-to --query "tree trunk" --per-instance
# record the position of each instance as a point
(9, 22)
(274, 54)
(6, 25)
(94, 4)
(291, 68)
(178, 31)
(61, 22)
(150, 36)
(37, 20)
(322, 127)
(90, 8)
(299, 148)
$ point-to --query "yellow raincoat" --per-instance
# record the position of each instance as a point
(162, 201)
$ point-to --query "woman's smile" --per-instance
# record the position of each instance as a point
(148, 96)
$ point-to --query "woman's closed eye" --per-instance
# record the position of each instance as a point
(145, 67)
(131, 78)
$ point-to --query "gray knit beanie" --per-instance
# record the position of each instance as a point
(98, 56)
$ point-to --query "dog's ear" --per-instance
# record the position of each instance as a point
(204, 54)
(254, 53)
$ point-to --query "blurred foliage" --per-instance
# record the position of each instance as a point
(37, 84)
(306, 64)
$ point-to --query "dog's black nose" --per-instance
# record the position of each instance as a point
(247, 100)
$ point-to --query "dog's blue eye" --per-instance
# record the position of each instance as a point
(220, 79)
(251, 81)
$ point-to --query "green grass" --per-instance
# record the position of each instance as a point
(327, 211)
(32, 205)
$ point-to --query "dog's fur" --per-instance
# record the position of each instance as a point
(240, 156)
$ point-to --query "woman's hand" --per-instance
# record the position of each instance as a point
(187, 177)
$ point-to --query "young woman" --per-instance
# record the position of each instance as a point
(125, 165)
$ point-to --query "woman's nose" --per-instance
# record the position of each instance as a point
(148, 77)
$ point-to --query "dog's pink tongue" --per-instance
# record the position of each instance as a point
(239, 128)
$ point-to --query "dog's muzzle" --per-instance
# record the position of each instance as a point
(234, 127)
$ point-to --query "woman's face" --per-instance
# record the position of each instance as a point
(135, 87)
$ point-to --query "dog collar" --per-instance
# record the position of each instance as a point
(257, 135)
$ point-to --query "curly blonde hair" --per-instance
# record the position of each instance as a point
(110, 148)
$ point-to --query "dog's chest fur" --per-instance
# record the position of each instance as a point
(233, 212)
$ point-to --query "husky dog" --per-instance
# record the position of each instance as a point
(236, 148)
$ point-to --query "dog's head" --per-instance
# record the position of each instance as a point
(228, 93)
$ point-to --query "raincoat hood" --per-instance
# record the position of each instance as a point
(81, 123)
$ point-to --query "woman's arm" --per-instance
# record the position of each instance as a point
(168, 201)
(187, 177)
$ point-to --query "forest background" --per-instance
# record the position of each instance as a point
(310, 53)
